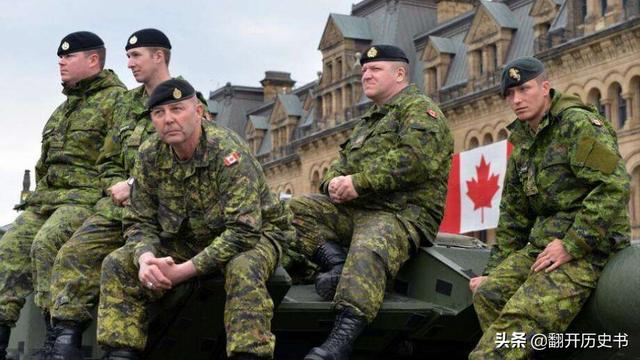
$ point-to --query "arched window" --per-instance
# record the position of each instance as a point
(635, 98)
(315, 181)
(473, 143)
(594, 98)
(487, 139)
(502, 135)
(634, 204)
(603, 7)
(622, 108)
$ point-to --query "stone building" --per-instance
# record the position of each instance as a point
(457, 50)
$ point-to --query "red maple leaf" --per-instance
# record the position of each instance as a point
(483, 190)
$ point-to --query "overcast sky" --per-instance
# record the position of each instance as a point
(214, 41)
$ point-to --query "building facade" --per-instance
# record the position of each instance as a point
(457, 50)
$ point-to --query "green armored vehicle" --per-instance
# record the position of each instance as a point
(427, 313)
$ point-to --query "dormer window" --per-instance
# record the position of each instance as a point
(489, 38)
(437, 57)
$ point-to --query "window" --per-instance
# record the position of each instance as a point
(493, 54)
(432, 81)
(582, 11)
(473, 143)
(603, 7)
(479, 65)
(328, 73)
(502, 135)
(622, 109)
(488, 139)
(594, 98)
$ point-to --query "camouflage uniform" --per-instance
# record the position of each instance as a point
(65, 193)
(569, 182)
(75, 283)
(399, 159)
(216, 212)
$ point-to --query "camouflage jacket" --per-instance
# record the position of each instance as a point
(567, 181)
(399, 156)
(209, 208)
(132, 125)
(66, 172)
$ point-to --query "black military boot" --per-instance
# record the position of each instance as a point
(5, 331)
(338, 345)
(330, 257)
(67, 343)
(121, 354)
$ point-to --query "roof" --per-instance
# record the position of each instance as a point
(521, 43)
(523, 38)
(458, 70)
(291, 104)
(352, 27)
(259, 122)
(444, 45)
(233, 103)
(266, 146)
(500, 13)
(397, 24)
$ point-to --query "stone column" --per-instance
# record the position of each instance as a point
(607, 109)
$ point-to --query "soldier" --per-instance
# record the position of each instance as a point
(76, 277)
(66, 188)
(199, 205)
(563, 213)
(383, 198)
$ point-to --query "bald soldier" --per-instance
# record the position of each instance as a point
(382, 198)
(199, 205)
(76, 276)
(563, 214)
(66, 176)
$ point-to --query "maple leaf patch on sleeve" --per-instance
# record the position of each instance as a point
(231, 158)
(482, 190)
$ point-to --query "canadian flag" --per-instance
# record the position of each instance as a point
(475, 188)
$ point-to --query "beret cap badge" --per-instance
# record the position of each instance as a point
(64, 46)
(372, 52)
(514, 74)
(133, 40)
(177, 94)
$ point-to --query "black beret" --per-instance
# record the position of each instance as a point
(383, 53)
(170, 91)
(79, 41)
(148, 38)
(519, 71)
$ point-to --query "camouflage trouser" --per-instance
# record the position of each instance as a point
(378, 245)
(75, 281)
(27, 252)
(124, 311)
(515, 299)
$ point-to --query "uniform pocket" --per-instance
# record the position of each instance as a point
(170, 215)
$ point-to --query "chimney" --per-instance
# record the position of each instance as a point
(448, 9)
(274, 83)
